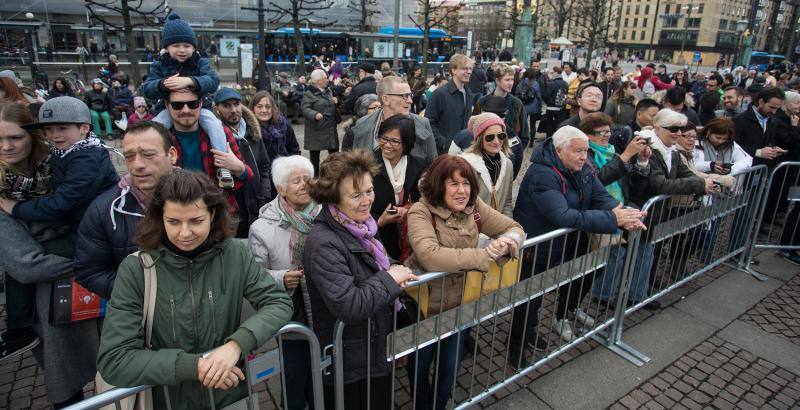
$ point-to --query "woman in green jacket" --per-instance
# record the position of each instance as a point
(202, 276)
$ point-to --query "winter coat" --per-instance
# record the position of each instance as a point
(198, 68)
(617, 170)
(534, 91)
(622, 112)
(705, 153)
(78, 178)
(497, 195)
(345, 283)
(448, 113)
(134, 118)
(319, 135)
(477, 80)
(363, 87)
(790, 136)
(66, 353)
(198, 308)
(105, 238)
(679, 179)
(282, 146)
(608, 90)
(751, 137)
(257, 192)
(384, 195)
(365, 132)
(97, 100)
(121, 96)
(516, 119)
(451, 245)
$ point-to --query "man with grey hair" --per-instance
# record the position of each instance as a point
(395, 97)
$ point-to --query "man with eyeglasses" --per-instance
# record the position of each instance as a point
(451, 105)
(589, 98)
(194, 145)
(395, 97)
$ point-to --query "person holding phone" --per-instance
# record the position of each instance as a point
(717, 153)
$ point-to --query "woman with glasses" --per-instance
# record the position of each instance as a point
(396, 187)
(489, 157)
(621, 107)
(319, 110)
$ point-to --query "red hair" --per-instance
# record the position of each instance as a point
(12, 92)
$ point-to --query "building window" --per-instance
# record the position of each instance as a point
(644, 22)
(624, 35)
(637, 9)
(666, 9)
(641, 35)
(626, 22)
(628, 9)
(635, 22)
(647, 9)
(693, 22)
(701, 7)
(723, 24)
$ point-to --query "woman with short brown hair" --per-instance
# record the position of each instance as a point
(717, 152)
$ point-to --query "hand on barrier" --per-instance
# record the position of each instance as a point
(218, 369)
(401, 275)
(497, 248)
(512, 246)
(627, 216)
(711, 186)
(292, 278)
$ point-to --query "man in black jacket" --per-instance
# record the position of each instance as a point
(451, 105)
(245, 127)
(366, 85)
(105, 234)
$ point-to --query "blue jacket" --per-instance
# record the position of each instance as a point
(198, 68)
(552, 197)
(78, 178)
(121, 96)
(105, 238)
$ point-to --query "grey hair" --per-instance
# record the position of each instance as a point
(567, 133)
(282, 167)
(791, 97)
(668, 118)
(317, 74)
(363, 103)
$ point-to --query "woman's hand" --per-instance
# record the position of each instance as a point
(636, 146)
(228, 161)
(497, 248)
(513, 246)
(387, 219)
(7, 205)
(218, 368)
(401, 275)
(291, 279)
(318, 116)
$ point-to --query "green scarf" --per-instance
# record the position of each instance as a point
(301, 222)
(601, 157)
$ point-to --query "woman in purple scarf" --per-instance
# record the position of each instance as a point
(351, 279)
(276, 133)
(337, 69)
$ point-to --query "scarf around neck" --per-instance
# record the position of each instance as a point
(22, 188)
(301, 221)
(397, 176)
(365, 233)
(602, 155)
(275, 133)
(91, 141)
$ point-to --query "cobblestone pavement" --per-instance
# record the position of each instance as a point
(779, 313)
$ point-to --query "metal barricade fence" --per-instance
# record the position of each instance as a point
(778, 219)
(261, 368)
(686, 237)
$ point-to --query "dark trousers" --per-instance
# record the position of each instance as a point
(533, 119)
(20, 304)
(315, 159)
(355, 394)
(570, 296)
(526, 315)
(451, 351)
(297, 375)
(517, 152)
(791, 229)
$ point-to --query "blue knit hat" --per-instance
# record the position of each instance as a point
(177, 31)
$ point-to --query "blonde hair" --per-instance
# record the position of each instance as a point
(459, 60)
(504, 70)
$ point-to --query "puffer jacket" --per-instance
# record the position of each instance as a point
(198, 68)
(97, 100)
(452, 245)
(319, 135)
(345, 283)
(198, 308)
(497, 195)
(257, 192)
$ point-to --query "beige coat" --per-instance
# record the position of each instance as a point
(453, 245)
(497, 195)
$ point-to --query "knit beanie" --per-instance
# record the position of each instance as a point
(477, 124)
(177, 30)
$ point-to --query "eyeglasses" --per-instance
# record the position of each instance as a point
(386, 140)
(490, 137)
(404, 96)
(178, 105)
(601, 133)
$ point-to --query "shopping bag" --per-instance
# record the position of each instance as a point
(71, 302)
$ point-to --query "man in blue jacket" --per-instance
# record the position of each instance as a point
(561, 190)
(105, 234)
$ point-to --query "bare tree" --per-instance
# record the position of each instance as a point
(590, 24)
(435, 14)
(562, 11)
(128, 9)
(300, 12)
(366, 8)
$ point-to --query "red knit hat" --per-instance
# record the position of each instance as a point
(477, 124)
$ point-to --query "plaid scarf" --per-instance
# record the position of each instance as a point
(21, 188)
(301, 221)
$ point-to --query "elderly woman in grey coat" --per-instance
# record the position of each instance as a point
(319, 110)
(277, 239)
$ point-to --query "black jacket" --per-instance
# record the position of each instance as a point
(105, 238)
(789, 136)
(345, 283)
(679, 179)
(257, 192)
(751, 137)
(364, 87)
(384, 195)
(448, 114)
(98, 101)
(617, 170)
(477, 81)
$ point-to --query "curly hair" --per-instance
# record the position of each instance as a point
(337, 167)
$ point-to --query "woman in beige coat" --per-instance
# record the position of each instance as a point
(443, 230)
(488, 156)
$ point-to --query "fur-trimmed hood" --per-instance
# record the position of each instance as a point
(250, 119)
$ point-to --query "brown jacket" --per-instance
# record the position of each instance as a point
(452, 246)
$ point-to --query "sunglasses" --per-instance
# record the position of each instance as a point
(490, 137)
(178, 105)
(676, 128)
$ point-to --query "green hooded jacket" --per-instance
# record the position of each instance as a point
(198, 308)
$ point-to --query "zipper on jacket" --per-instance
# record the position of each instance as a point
(213, 312)
(194, 305)
(172, 315)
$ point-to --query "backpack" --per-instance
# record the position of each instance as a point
(527, 92)
(560, 98)
(648, 89)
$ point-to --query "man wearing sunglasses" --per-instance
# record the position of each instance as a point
(395, 97)
(194, 145)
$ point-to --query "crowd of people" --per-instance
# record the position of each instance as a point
(219, 203)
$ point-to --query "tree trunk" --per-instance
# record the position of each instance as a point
(298, 38)
(364, 15)
(426, 38)
(130, 44)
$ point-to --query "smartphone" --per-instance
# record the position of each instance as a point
(512, 142)
(391, 211)
(727, 165)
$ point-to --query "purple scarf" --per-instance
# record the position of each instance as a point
(365, 233)
(275, 133)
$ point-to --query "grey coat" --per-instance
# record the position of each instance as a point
(365, 129)
(67, 353)
(319, 135)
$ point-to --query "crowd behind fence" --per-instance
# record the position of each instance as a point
(686, 238)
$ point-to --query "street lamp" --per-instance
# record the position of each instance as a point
(689, 8)
(32, 57)
(741, 26)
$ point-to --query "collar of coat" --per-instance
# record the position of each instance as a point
(483, 172)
